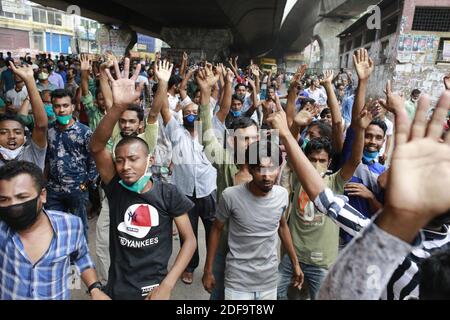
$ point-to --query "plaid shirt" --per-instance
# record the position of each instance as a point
(49, 278)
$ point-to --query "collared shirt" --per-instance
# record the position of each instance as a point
(192, 172)
(56, 80)
(48, 279)
(71, 163)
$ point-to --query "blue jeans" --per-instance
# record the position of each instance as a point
(74, 203)
(314, 276)
(231, 294)
(218, 293)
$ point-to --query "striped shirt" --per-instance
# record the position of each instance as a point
(404, 282)
(48, 279)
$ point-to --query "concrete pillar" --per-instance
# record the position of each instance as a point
(214, 43)
(326, 31)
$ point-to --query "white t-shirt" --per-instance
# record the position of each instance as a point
(389, 132)
(17, 97)
(173, 102)
(319, 95)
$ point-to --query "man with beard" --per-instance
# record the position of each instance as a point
(13, 144)
(229, 160)
(38, 246)
(193, 174)
(388, 248)
(255, 213)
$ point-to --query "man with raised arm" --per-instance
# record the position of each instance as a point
(141, 210)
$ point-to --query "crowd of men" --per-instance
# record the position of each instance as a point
(355, 187)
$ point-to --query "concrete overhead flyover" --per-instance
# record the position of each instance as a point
(246, 27)
(321, 20)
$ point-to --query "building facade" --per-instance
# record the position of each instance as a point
(412, 47)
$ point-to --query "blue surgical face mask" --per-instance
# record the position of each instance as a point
(64, 120)
(189, 120)
(236, 114)
(369, 157)
(49, 110)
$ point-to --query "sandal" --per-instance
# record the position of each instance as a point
(187, 277)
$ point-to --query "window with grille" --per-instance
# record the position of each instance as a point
(370, 36)
(431, 19)
(358, 41)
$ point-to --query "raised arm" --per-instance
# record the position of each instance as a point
(37, 106)
(124, 93)
(163, 71)
(183, 84)
(105, 88)
(310, 180)
(227, 94)
(361, 123)
(337, 138)
(292, 93)
(85, 67)
(254, 96)
(364, 67)
(184, 63)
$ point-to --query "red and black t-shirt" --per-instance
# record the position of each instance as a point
(141, 236)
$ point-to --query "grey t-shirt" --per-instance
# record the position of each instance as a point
(31, 153)
(252, 262)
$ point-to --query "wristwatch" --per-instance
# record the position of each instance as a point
(97, 285)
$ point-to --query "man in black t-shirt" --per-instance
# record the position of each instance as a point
(141, 211)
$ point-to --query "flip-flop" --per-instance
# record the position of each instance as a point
(187, 277)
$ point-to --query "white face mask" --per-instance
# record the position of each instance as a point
(9, 154)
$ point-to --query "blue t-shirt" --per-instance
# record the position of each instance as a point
(366, 173)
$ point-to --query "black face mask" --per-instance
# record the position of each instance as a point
(20, 216)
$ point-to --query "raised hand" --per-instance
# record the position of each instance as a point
(363, 64)
(419, 181)
(124, 90)
(305, 117)
(85, 62)
(255, 70)
(163, 70)
(278, 121)
(328, 77)
(25, 72)
(229, 78)
(185, 56)
(206, 77)
(366, 117)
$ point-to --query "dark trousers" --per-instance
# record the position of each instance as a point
(74, 203)
(205, 209)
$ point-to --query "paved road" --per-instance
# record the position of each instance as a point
(181, 291)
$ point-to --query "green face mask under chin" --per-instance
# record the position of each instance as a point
(138, 186)
(64, 120)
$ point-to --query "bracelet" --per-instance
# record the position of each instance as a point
(95, 285)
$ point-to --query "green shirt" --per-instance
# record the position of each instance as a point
(94, 114)
(222, 160)
(150, 136)
(410, 109)
(314, 235)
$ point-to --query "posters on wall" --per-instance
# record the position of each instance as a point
(446, 51)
